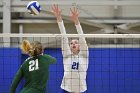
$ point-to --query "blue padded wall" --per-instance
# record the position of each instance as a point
(114, 70)
(10, 60)
(111, 70)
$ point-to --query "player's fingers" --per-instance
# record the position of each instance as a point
(74, 9)
(55, 7)
(77, 10)
(71, 10)
(60, 11)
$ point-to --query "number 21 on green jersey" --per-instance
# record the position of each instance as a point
(33, 65)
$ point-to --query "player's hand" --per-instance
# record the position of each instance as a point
(74, 15)
(57, 12)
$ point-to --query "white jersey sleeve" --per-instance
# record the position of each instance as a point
(64, 43)
(82, 42)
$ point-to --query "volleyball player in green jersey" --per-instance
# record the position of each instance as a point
(35, 69)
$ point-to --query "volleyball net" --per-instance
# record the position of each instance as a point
(114, 61)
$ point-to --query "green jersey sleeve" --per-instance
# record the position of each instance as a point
(50, 59)
(17, 79)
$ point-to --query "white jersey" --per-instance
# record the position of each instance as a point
(75, 66)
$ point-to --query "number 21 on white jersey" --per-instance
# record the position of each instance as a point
(75, 65)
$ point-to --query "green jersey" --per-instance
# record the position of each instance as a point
(36, 72)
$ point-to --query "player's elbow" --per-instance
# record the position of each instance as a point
(54, 60)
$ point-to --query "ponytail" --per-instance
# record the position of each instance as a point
(33, 49)
(25, 46)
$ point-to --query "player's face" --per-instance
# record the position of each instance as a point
(74, 45)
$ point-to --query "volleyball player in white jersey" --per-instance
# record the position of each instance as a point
(75, 56)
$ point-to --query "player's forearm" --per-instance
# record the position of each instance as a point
(77, 21)
(65, 42)
(61, 27)
(63, 31)
(16, 81)
(82, 40)
(59, 19)
(79, 28)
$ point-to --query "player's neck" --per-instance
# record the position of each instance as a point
(75, 52)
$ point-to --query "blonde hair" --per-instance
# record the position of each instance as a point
(33, 49)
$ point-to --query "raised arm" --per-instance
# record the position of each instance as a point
(82, 41)
(65, 43)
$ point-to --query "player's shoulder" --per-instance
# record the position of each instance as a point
(25, 62)
(27, 59)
